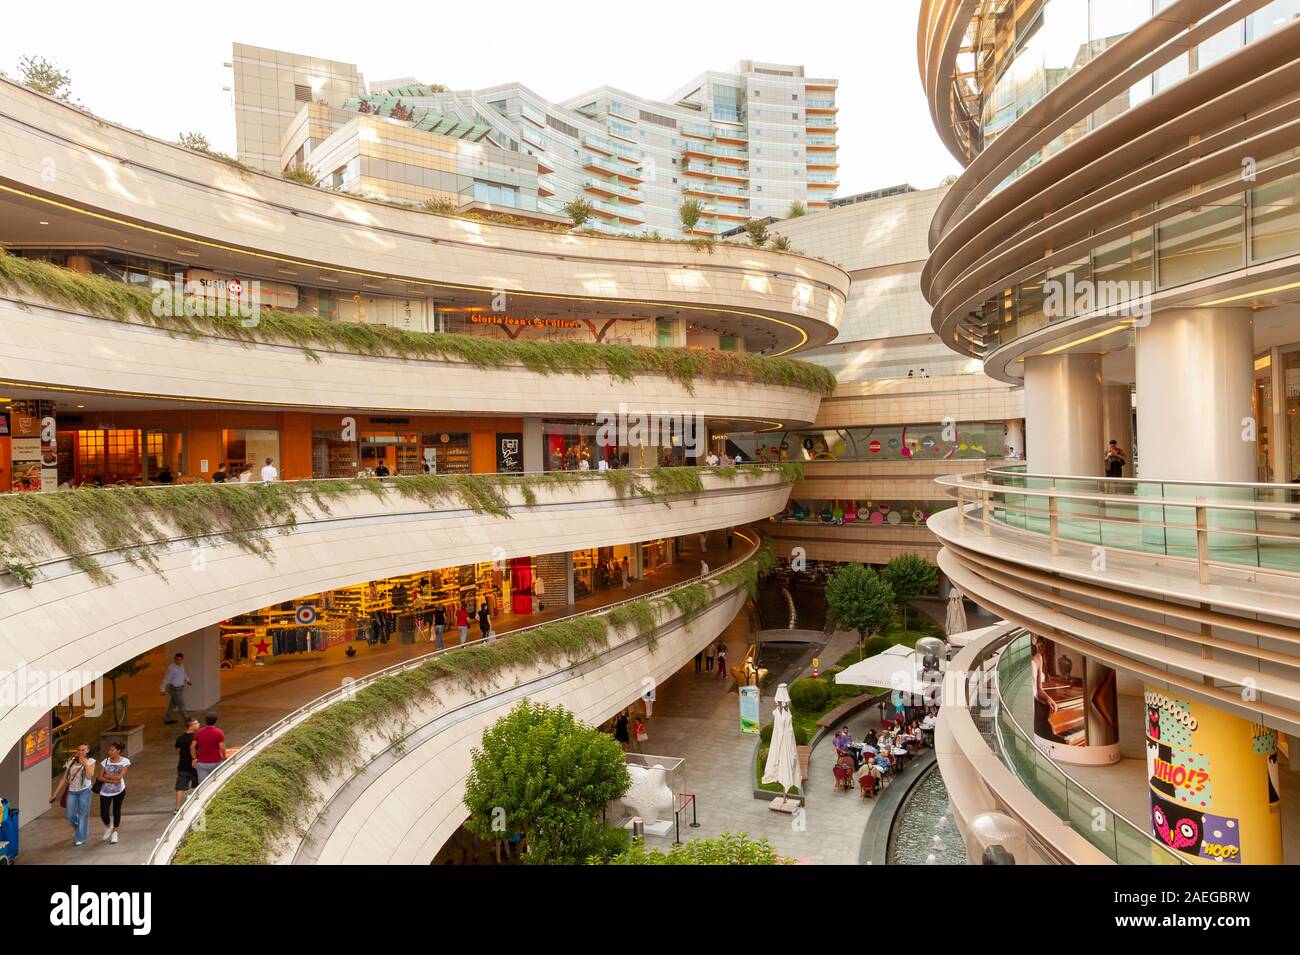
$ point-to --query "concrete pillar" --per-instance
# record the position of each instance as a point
(568, 579)
(202, 650)
(1280, 425)
(1063, 415)
(1117, 402)
(1014, 441)
(1195, 376)
(636, 561)
(1213, 780)
(534, 446)
(28, 790)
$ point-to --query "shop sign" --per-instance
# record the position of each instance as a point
(750, 723)
(524, 321)
(37, 743)
(510, 452)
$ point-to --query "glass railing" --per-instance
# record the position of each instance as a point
(819, 104)
(1256, 525)
(613, 165)
(713, 149)
(820, 121)
(1115, 836)
(625, 212)
(610, 186)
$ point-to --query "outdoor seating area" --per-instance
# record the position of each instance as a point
(872, 763)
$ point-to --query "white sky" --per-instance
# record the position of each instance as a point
(157, 66)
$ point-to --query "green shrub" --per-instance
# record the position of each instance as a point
(876, 644)
(809, 696)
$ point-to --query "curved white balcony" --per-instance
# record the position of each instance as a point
(120, 189)
(81, 617)
(406, 798)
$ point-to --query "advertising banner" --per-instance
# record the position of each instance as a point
(510, 453)
(37, 742)
(1214, 782)
(1075, 705)
(749, 713)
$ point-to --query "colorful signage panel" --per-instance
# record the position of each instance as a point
(750, 719)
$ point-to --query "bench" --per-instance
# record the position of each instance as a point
(805, 754)
(838, 714)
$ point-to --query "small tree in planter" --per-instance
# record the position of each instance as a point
(910, 576)
(858, 599)
(578, 211)
(130, 736)
(542, 773)
(757, 231)
(689, 212)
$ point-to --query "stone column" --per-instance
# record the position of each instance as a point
(202, 650)
(1195, 375)
(1118, 420)
(1063, 415)
(534, 446)
(1014, 442)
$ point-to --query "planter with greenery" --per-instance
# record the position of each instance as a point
(730, 848)
(130, 737)
(139, 523)
(264, 801)
(105, 298)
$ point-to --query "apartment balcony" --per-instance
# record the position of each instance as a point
(821, 124)
(733, 173)
(822, 162)
(732, 213)
(609, 187)
(714, 151)
(821, 106)
(621, 169)
(599, 145)
(614, 210)
(691, 187)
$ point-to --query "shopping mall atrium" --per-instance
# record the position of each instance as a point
(429, 403)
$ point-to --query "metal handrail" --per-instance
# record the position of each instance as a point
(1002, 705)
(206, 789)
(1012, 470)
(968, 482)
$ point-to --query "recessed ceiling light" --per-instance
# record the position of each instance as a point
(43, 222)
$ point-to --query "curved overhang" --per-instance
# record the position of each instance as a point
(995, 229)
(78, 360)
(70, 627)
(73, 181)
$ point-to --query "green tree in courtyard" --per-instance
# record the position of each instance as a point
(45, 77)
(690, 212)
(542, 773)
(730, 848)
(579, 211)
(910, 576)
(858, 599)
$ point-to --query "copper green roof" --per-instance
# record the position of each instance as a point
(417, 117)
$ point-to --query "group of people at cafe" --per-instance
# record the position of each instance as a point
(884, 753)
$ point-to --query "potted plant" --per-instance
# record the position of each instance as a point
(131, 737)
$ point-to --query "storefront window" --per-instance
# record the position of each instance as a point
(860, 511)
(1291, 412)
(164, 457)
(249, 449)
(445, 452)
(332, 457)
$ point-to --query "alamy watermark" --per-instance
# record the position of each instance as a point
(209, 298)
(644, 429)
(1120, 298)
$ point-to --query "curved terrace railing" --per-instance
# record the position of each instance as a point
(585, 633)
(1117, 837)
(979, 739)
(88, 525)
(1251, 525)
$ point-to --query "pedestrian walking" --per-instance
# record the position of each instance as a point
(462, 623)
(722, 660)
(731, 537)
(623, 571)
(539, 594)
(75, 787)
(187, 777)
(708, 659)
(484, 621)
(208, 748)
(269, 473)
(439, 625)
(174, 682)
(621, 731)
(112, 789)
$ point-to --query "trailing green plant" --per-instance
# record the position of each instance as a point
(301, 174)
(105, 298)
(266, 798)
(138, 523)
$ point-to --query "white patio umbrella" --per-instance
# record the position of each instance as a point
(956, 620)
(783, 753)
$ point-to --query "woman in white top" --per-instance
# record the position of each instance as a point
(78, 778)
(112, 790)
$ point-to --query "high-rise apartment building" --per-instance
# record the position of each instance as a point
(747, 143)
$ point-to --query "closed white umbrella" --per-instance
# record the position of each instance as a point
(956, 619)
(783, 753)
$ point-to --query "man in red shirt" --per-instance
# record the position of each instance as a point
(208, 748)
(462, 622)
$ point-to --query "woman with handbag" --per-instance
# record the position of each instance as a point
(112, 788)
(73, 792)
